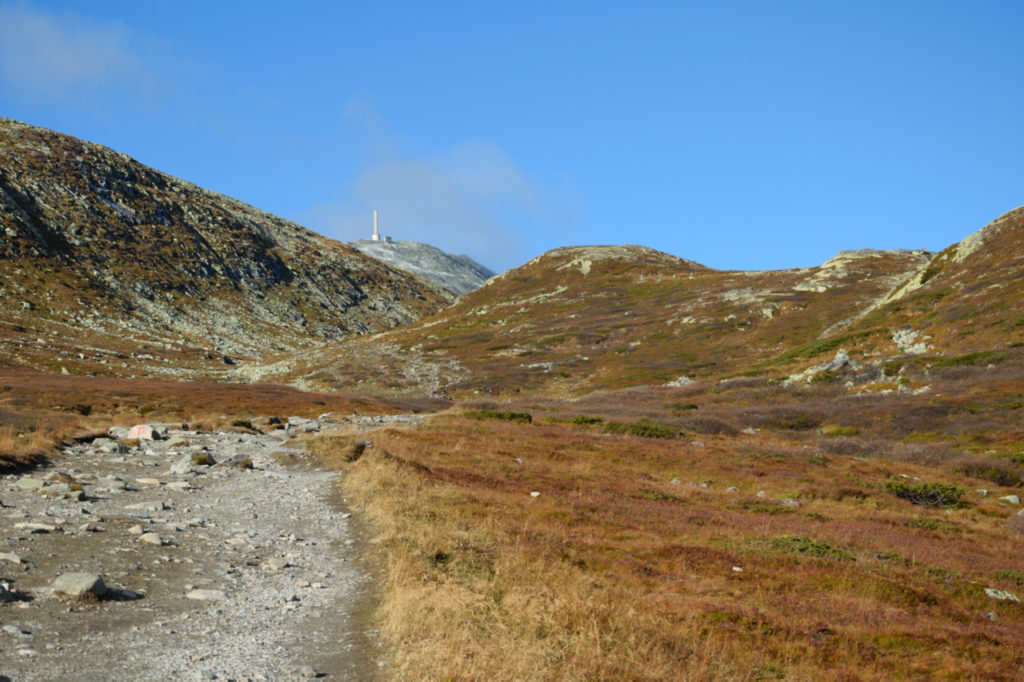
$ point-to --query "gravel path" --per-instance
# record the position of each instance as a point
(214, 571)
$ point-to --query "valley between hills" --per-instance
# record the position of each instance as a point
(607, 463)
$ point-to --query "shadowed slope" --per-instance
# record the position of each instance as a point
(102, 251)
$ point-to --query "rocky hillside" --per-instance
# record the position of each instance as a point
(458, 274)
(110, 266)
(585, 318)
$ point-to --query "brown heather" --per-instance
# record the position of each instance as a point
(622, 567)
(820, 491)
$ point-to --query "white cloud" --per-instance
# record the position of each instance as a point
(470, 199)
(64, 56)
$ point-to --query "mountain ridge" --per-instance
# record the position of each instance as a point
(133, 258)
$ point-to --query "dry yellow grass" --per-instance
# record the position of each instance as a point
(616, 572)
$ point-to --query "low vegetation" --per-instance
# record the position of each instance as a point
(565, 549)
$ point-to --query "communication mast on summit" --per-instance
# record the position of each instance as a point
(376, 230)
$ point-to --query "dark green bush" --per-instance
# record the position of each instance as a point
(518, 417)
(797, 544)
(644, 428)
(927, 494)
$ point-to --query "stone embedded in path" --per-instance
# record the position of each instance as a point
(80, 585)
(28, 483)
(111, 446)
(35, 527)
(151, 539)
(10, 557)
(207, 595)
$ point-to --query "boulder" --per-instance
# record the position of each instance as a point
(80, 585)
(143, 432)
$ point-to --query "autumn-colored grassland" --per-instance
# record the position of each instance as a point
(624, 566)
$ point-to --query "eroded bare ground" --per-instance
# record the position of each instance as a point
(214, 571)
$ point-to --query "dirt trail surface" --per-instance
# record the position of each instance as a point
(212, 569)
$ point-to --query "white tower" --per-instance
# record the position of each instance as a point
(376, 231)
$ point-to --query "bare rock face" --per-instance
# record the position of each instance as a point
(458, 274)
(91, 239)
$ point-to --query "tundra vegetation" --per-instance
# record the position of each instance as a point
(638, 467)
(779, 545)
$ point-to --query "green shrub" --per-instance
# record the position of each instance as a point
(797, 544)
(980, 358)
(938, 525)
(927, 494)
(584, 420)
(517, 417)
(644, 428)
(840, 431)
(1012, 576)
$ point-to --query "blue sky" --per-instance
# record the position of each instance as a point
(746, 135)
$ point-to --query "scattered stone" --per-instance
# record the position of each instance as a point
(80, 585)
(151, 539)
(182, 466)
(697, 443)
(1012, 499)
(147, 481)
(1001, 595)
(308, 672)
(111, 446)
(206, 595)
(10, 557)
(135, 530)
(238, 461)
(789, 502)
(35, 527)
(732, 489)
(535, 494)
(202, 459)
(737, 569)
(6, 594)
(178, 442)
(179, 485)
(28, 483)
(982, 492)
(749, 432)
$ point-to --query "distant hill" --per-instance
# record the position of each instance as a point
(579, 319)
(458, 274)
(110, 266)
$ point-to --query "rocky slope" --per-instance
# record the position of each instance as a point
(458, 274)
(105, 260)
(584, 318)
